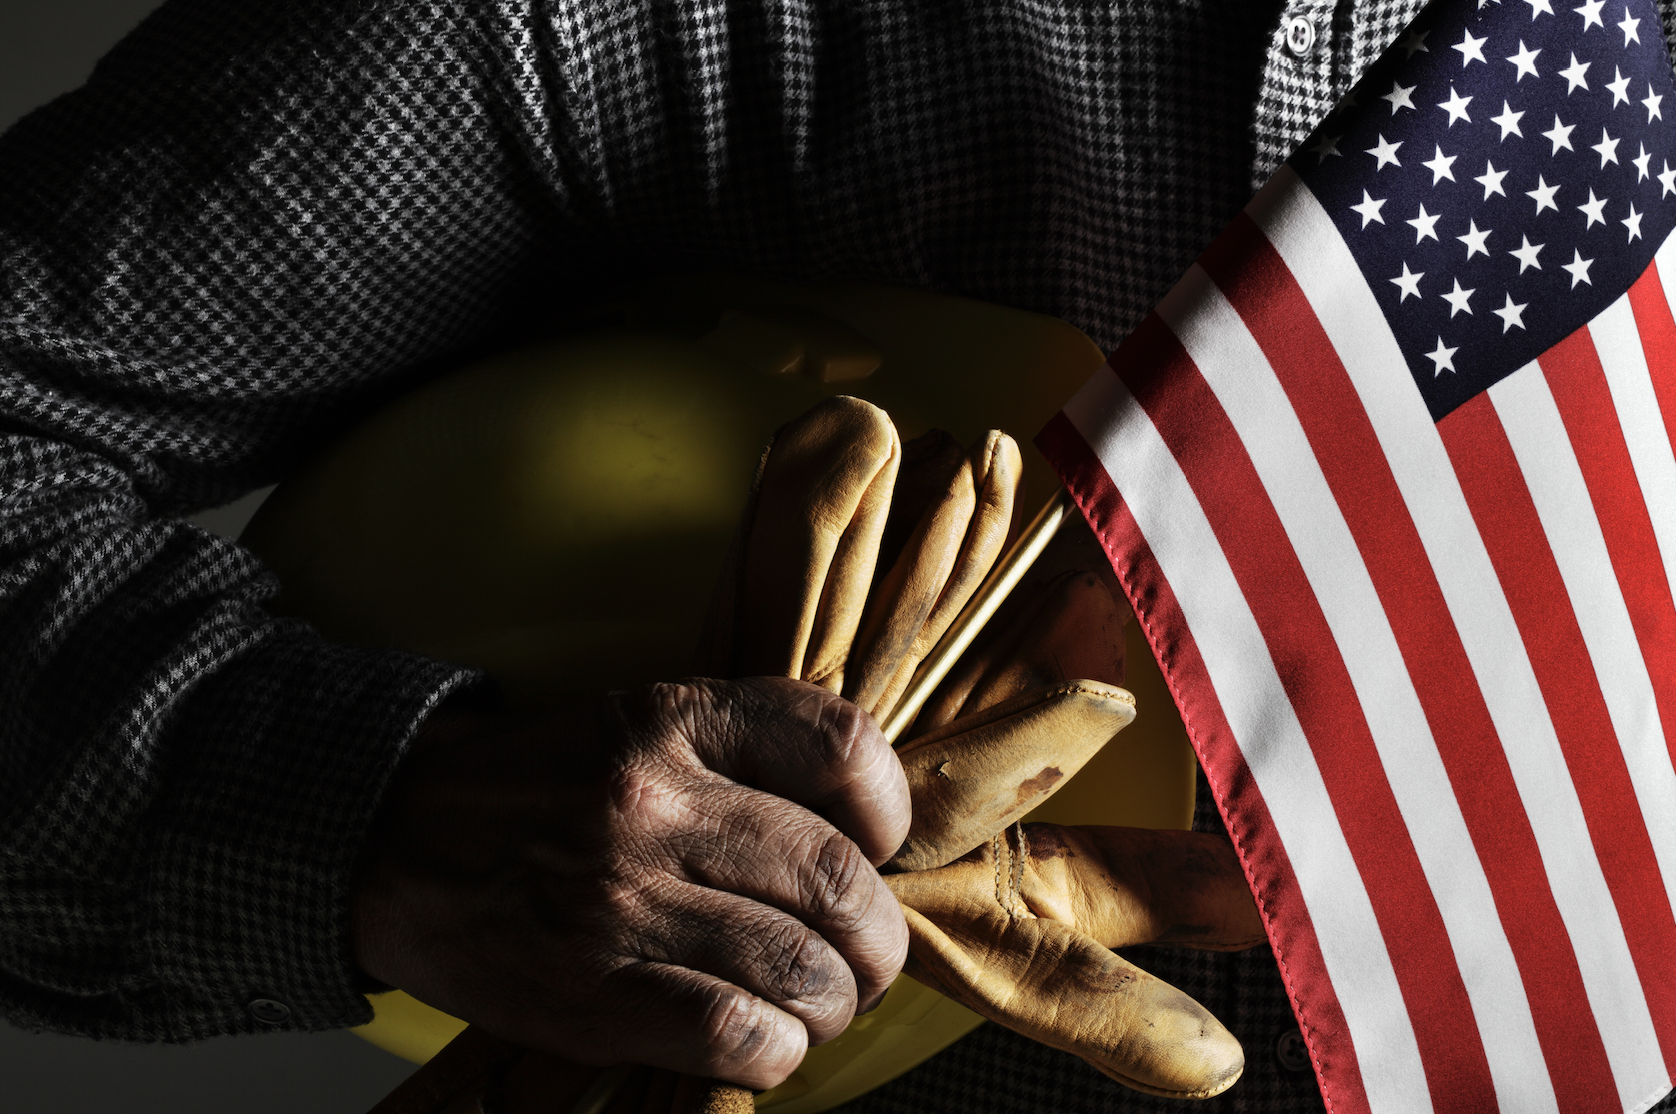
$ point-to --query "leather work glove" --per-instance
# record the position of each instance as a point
(801, 598)
(1021, 931)
(1020, 928)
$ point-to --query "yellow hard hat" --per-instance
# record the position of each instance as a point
(558, 516)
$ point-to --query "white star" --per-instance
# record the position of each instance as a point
(1633, 223)
(1590, 11)
(1559, 136)
(1578, 268)
(1456, 106)
(1620, 88)
(1640, 164)
(1399, 97)
(1327, 146)
(1667, 180)
(1385, 152)
(1652, 104)
(1594, 209)
(1573, 75)
(1544, 194)
(1509, 314)
(1607, 149)
(1628, 27)
(1409, 283)
(1474, 239)
(1538, 7)
(1443, 358)
(1491, 180)
(1424, 225)
(1508, 121)
(1525, 60)
(1471, 49)
(1369, 209)
(1416, 41)
(1525, 253)
(1439, 165)
(1457, 299)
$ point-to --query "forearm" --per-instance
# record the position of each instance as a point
(251, 226)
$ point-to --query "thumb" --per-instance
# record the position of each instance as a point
(1059, 986)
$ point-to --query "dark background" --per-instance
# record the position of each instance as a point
(46, 48)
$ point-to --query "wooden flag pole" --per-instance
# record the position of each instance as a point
(989, 597)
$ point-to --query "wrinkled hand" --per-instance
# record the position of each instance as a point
(680, 875)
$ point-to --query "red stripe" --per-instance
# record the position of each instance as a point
(1190, 419)
(1578, 383)
(1267, 867)
(1502, 506)
(1658, 340)
(1267, 296)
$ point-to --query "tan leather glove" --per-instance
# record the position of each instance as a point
(805, 596)
(1021, 934)
(1021, 931)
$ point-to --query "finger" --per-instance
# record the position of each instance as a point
(777, 853)
(673, 1017)
(983, 772)
(914, 569)
(1048, 981)
(822, 500)
(1135, 886)
(795, 741)
(757, 948)
(996, 469)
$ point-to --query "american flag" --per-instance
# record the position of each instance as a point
(1389, 480)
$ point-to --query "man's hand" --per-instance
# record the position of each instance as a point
(680, 875)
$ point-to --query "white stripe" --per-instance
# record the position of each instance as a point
(1618, 343)
(1537, 433)
(1268, 733)
(1309, 243)
(1234, 365)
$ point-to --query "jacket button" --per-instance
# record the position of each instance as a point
(1300, 36)
(1290, 1051)
(268, 1011)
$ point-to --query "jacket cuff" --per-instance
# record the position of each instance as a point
(278, 761)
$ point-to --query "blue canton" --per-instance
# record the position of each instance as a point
(1502, 175)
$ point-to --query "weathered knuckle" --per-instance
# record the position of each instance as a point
(646, 800)
(795, 965)
(733, 1028)
(845, 732)
(836, 869)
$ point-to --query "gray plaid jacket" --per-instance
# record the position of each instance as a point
(258, 221)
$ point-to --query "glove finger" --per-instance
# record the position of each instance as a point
(1074, 632)
(997, 471)
(1126, 886)
(1058, 986)
(971, 778)
(918, 565)
(822, 498)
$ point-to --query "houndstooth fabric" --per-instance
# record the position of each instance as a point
(257, 222)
